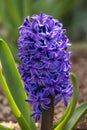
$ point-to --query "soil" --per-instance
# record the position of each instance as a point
(79, 67)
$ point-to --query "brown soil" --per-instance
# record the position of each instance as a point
(79, 67)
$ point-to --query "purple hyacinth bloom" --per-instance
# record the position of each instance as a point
(45, 65)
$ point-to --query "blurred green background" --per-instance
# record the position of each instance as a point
(72, 13)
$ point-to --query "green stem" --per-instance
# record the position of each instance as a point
(47, 117)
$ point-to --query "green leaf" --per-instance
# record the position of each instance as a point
(4, 128)
(69, 111)
(22, 122)
(75, 118)
(9, 96)
(14, 51)
(15, 83)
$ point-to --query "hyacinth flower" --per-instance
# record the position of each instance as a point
(45, 71)
(45, 65)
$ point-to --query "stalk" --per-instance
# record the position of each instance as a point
(47, 117)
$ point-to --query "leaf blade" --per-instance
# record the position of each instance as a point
(22, 122)
(8, 95)
(77, 115)
(69, 111)
(14, 82)
(4, 127)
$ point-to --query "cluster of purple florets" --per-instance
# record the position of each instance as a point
(45, 65)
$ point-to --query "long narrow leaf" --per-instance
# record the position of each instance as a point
(71, 108)
(75, 95)
(4, 128)
(9, 96)
(75, 118)
(22, 122)
(14, 82)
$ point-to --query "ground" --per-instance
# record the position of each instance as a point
(79, 67)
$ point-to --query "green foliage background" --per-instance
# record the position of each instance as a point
(13, 12)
